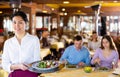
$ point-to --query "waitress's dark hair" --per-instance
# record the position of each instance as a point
(21, 14)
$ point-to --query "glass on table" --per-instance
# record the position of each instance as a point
(64, 62)
(113, 64)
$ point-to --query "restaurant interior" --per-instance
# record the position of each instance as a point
(63, 19)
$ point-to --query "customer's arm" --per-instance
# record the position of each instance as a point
(95, 58)
(88, 58)
(64, 56)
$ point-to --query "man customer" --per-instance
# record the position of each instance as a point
(76, 54)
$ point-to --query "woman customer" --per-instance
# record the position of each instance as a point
(106, 55)
(20, 50)
(94, 43)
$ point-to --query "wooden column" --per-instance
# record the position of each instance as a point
(60, 29)
(33, 20)
(31, 10)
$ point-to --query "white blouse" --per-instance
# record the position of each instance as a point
(94, 45)
(26, 52)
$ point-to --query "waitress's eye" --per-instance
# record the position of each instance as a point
(14, 22)
(20, 22)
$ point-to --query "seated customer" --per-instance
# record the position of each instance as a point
(43, 35)
(76, 54)
(106, 54)
(94, 43)
(2, 39)
(44, 38)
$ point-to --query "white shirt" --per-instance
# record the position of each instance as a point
(94, 45)
(26, 52)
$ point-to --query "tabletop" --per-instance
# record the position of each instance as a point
(71, 72)
(74, 72)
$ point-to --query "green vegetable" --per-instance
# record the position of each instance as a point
(42, 65)
(103, 68)
(71, 66)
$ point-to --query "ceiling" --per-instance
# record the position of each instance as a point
(78, 7)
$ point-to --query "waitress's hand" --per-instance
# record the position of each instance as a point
(18, 66)
(23, 67)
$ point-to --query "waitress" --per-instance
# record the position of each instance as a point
(20, 50)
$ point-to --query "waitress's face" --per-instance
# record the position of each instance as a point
(18, 25)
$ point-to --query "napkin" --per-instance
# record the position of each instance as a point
(116, 71)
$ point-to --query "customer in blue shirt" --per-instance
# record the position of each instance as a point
(76, 54)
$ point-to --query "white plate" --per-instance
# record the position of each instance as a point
(35, 68)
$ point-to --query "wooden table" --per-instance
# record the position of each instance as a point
(3, 73)
(70, 73)
(67, 72)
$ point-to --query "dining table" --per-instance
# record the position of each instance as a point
(3, 73)
(71, 72)
(79, 72)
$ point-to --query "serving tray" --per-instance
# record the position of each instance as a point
(35, 68)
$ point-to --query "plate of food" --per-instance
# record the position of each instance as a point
(71, 66)
(46, 66)
(103, 69)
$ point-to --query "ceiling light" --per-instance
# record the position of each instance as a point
(79, 11)
(44, 11)
(53, 9)
(66, 2)
(63, 9)
(1, 12)
(115, 1)
(65, 14)
(87, 6)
